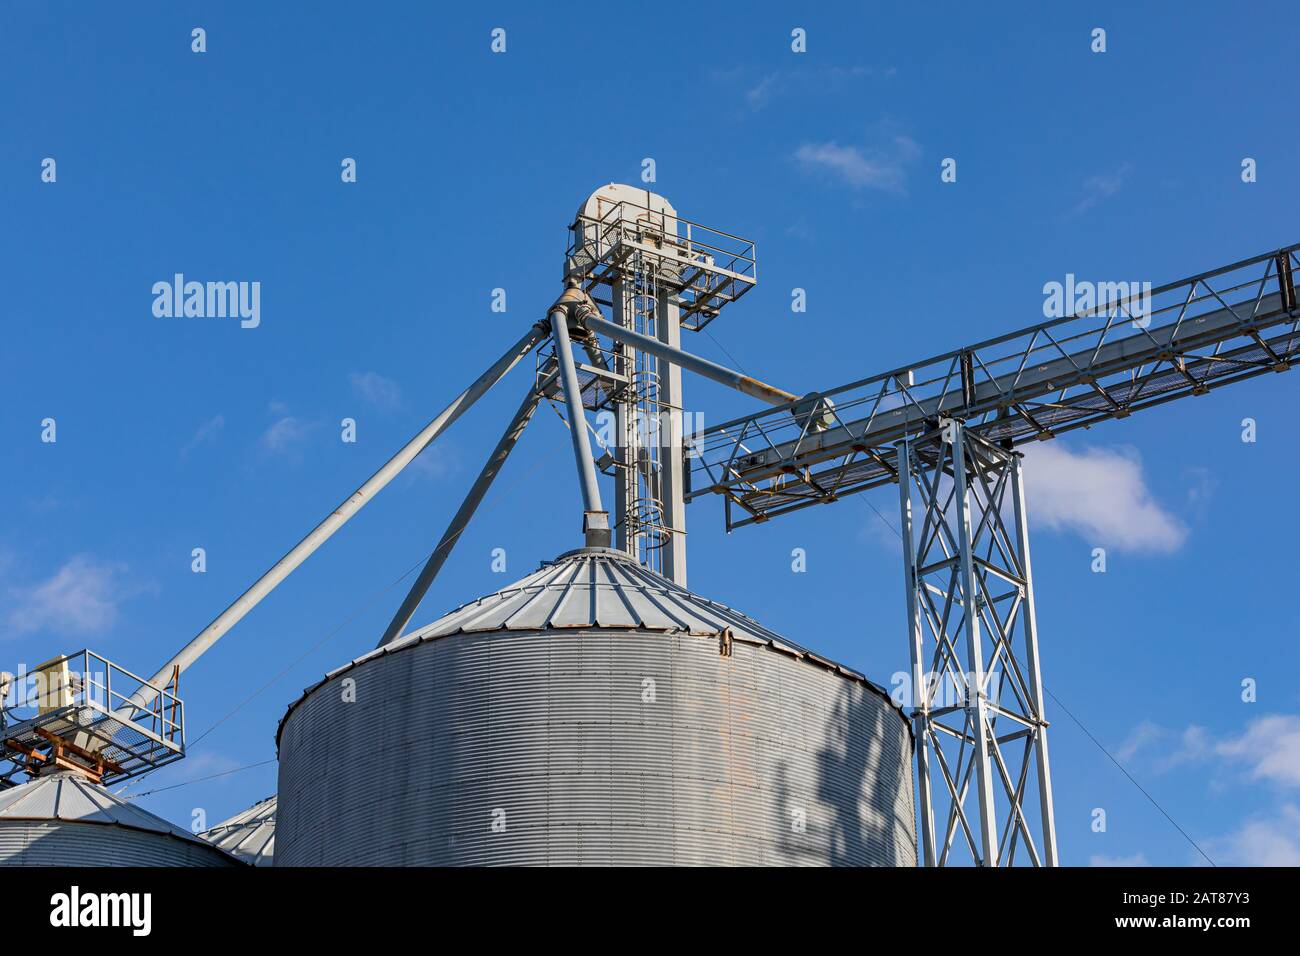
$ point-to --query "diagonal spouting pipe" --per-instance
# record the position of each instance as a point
(263, 586)
(595, 519)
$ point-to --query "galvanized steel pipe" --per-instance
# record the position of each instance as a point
(577, 419)
(461, 520)
(336, 519)
(692, 363)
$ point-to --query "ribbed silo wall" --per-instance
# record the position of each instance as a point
(559, 739)
(56, 843)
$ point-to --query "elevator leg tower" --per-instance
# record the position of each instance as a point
(983, 775)
(658, 274)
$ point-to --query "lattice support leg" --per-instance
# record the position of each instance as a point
(977, 691)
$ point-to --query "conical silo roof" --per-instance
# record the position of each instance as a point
(248, 835)
(600, 588)
(604, 589)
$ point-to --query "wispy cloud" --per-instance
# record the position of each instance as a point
(758, 95)
(285, 435)
(1099, 188)
(1264, 840)
(1101, 494)
(436, 462)
(881, 166)
(375, 389)
(760, 90)
(1266, 751)
(1201, 486)
(82, 597)
(206, 431)
(1144, 735)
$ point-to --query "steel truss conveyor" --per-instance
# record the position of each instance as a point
(1106, 362)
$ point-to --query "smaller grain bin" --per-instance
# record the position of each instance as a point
(594, 713)
(249, 835)
(62, 819)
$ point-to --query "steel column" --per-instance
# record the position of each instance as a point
(671, 435)
(1046, 808)
(920, 700)
(976, 713)
(977, 700)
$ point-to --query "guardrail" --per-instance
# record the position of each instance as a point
(76, 712)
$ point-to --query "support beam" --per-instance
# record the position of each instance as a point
(692, 363)
(1033, 667)
(977, 699)
(916, 647)
(340, 515)
(595, 520)
(491, 468)
(672, 462)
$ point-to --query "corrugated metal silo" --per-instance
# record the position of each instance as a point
(594, 713)
(248, 835)
(62, 819)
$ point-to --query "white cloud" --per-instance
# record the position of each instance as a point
(205, 431)
(1100, 494)
(82, 597)
(1102, 187)
(801, 82)
(1269, 749)
(758, 95)
(1143, 736)
(377, 390)
(1261, 841)
(875, 167)
(1136, 859)
(436, 462)
(285, 434)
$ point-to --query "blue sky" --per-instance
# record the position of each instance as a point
(375, 304)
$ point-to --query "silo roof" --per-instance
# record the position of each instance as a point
(248, 835)
(602, 588)
(68, 797)
(598, 588)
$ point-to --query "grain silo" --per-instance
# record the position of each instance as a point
(249, 835)
(63, 819)
(594, 713)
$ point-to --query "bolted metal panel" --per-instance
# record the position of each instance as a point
(593, 746)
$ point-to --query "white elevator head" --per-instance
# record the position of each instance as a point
(607, 214)
(636, 202)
